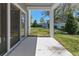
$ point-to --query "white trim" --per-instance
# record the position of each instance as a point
(8, 26)
(26, 25)
(18, 6)
(29, 28)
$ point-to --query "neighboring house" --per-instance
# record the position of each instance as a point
(45, 25)
(59, 25)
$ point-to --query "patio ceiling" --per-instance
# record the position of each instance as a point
(39, 4)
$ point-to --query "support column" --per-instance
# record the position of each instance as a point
(52, 18)
(26, 25)
(51, 22)
(8, 26)
(29, 19)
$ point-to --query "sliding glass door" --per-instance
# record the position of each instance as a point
(3, 28)
(22, 24)
(15, 25)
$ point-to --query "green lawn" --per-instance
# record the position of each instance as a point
(70, 42)
(38, 31)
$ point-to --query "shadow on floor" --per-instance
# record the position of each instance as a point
(26, 48)
(57, 50)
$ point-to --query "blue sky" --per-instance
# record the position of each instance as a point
(36, 15)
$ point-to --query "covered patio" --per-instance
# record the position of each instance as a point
(19, 43)
(39, 46)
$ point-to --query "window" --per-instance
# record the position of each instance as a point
(22, 24)
(3, 28)
(15, 25)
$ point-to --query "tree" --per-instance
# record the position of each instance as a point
(48, 23)
(42, 20)
(34, 24)
(77, 18)
(45, 13)
(71, 25)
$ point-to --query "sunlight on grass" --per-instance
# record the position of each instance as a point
(39, 31)
(70, 42)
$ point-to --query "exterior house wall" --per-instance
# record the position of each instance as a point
(23, 8)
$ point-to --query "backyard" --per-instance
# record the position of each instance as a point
(39, 23)
(70, 42)
(38, 31)
(66, 27)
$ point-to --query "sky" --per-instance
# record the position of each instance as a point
(36, 15)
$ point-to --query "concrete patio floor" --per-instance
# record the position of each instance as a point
(40, 46)
(50, 47)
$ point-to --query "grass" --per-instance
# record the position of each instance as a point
(70, 42)
(38, 31)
